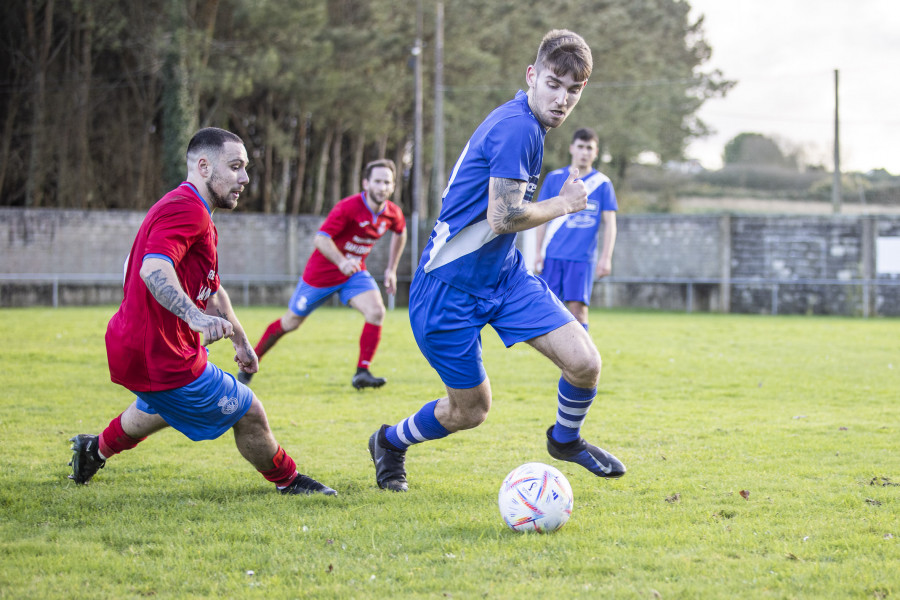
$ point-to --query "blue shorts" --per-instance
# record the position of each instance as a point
(308, 298)
(447, 322)
(204, 409)
(570, 280)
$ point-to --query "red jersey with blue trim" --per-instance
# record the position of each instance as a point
(149, 349)
(354, 229)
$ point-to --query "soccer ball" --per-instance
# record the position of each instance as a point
(535, 497)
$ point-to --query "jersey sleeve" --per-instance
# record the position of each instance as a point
(608, 197)
(508, 146)
(398, 222)
(175, 229)
(336, 220)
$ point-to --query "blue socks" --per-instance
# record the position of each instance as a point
(420, 427)
(572, 407)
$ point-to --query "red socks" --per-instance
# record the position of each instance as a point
(271, 336)
(285, 469)
(368, 343)
(114, 439)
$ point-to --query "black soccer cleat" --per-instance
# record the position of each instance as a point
(86, 460)
(596, 460)
(390, 473)
(303, 484)
(244, 378)
(364, 379)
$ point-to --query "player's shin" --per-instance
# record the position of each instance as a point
(114, 440)
(572, 407)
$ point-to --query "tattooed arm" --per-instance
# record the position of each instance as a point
(508, 212)
(220, 305)
(162, 281)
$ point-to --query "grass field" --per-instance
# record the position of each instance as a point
(763, 456)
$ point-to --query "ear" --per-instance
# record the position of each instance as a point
(531, 76)
(203, 166)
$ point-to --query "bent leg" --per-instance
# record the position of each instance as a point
(572, 350)
(254, 438)
(371, 306)
(464, 409)
(128, 429)
(368, 303)
(138, 424)
(256, 443)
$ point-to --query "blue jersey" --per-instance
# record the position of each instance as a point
(574, 236)
(462, 250)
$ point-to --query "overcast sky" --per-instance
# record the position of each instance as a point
(783, 54)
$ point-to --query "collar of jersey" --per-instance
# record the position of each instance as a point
(366, 204)
(191, 187)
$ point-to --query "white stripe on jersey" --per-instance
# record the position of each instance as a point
(468, 240)
(594, 181)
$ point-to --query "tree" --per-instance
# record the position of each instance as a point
(755, 149)
(99, 96)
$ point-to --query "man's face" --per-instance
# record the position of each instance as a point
(379, 186)
(584, 153)
(550, 96)
(228, 175)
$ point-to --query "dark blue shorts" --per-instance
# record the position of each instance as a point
(570, 280)
(307, 298)
(204, 409)
(447, 322)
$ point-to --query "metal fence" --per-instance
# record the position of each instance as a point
(241, 286)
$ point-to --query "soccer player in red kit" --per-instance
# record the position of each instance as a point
(338, 266)
(172, 296)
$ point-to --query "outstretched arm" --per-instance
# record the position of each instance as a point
(398, 242)
(162, 281)
(508, 212)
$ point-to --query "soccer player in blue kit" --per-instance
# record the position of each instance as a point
(471, 274)
(567, 246)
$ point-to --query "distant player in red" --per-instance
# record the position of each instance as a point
(153, 342)
(338, 266)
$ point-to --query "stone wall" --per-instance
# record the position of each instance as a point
(789, 264)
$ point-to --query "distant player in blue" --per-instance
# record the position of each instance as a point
(471, 274)
(567, 246)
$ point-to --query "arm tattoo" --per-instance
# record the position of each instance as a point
(169, 296)
(510, 212)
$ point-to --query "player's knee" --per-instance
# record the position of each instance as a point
(254, 420)
(472, 418)
(372, 310)
(585, 370)
(375, 314)
(290, 322)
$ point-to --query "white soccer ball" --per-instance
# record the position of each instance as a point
(535, 497)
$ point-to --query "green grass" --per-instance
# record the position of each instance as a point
(803, 413)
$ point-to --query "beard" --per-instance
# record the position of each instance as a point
(218, 200)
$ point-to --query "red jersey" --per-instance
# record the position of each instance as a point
(149, 349)
(354, 229)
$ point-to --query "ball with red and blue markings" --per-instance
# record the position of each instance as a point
(535, 497)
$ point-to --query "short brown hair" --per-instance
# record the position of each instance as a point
(211, 139)
(565, 52)
(586, 134)
(384, 163)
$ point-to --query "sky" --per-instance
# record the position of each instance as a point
(783, 54)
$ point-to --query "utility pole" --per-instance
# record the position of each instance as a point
(439, 178)
(836, 181)
(417, 143)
